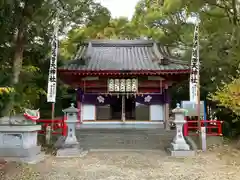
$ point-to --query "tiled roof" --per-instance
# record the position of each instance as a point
(123, 55)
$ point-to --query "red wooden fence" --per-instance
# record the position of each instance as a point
(213, 127)
(59, 126)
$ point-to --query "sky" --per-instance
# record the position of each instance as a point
(120, 8)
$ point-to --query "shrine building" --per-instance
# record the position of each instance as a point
(123, 81)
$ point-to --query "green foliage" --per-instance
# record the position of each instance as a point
(228, 95)
(171, 22)
(5, 90)
(107, 28)
(26, 31)
(27, 26)
(170, 6)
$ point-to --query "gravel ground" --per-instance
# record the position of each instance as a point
(218, 163)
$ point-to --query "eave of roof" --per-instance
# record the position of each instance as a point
(125, 73)
(124, 55)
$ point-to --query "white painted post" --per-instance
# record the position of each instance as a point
(48, 134)
(204, 139)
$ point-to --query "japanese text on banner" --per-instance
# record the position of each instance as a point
(52, 77)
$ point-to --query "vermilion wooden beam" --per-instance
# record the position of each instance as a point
(140, 90)
(131, 72)
(100, 83)
(73, 78)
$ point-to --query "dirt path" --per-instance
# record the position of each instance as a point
(221, 163)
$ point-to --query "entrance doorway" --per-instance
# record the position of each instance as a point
(130, 105)
(116, 108)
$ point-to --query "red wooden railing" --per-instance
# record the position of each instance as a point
(59, 126)
(213, 127)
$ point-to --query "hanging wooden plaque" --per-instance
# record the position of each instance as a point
(134, 85)
(111, 85)
(122, 85)
(117, 85)
(128, 85)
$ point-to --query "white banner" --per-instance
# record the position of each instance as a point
(52, 76)
(195, 65)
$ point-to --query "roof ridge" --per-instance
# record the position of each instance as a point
(111, 41)
(105, 42)
(178, 61)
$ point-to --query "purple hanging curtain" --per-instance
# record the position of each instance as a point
(99, 100)
(148, 99)
(145, 99)
(79, 94)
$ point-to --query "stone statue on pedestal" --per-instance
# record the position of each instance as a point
(18, 137)
(29, 117)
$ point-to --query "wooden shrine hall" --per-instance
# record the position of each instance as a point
(123, 81)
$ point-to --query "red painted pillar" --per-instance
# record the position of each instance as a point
(185, 129)
(166, 106)
(219, 125)
(79, 106)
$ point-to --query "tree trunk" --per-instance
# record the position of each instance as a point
(17, 67)
(18, 56)
(235, 12)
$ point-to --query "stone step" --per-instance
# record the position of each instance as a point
(123, 132)
(132, 130)
(114, 137)
(124, 139)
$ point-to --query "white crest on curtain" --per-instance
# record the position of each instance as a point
(148, 98)
(100, 99)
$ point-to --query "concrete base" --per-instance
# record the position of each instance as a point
(183, 146)
(19, 152)
(71, 152)
(19, 143)
(66, 150)
(31, 155)
(181, 153)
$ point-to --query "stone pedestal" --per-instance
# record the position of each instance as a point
(19, 143)
(69, 146)
(179, 146)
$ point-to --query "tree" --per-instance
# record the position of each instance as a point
(228, 95)
(171, 23)
(107, 28)
(26, 27)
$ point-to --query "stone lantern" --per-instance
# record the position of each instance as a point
(69, 145)
(179, 146)
(179, 142)
(71, 114)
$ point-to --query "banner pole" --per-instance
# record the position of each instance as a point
(199, 114)
(52, 117)
(52, 79)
